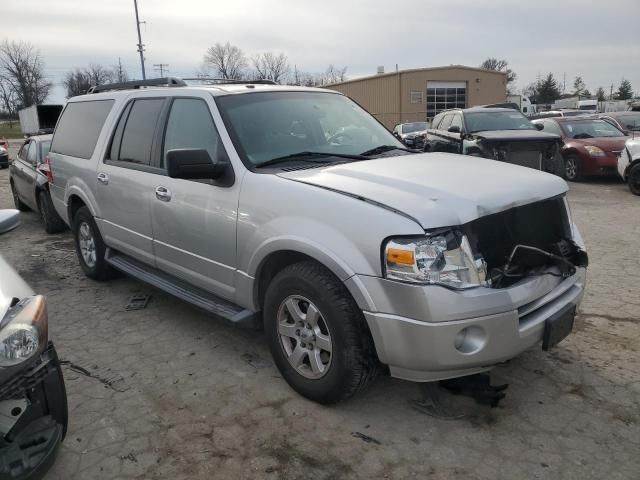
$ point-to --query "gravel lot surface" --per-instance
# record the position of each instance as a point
(172, 393)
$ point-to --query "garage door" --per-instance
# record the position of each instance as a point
(444, 95)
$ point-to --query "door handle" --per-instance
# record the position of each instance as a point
(103, 178)
(163, 194)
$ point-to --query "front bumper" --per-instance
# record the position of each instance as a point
(36, 399)
(416, 328)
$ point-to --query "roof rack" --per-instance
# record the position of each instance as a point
(135, 84)
(222, 81)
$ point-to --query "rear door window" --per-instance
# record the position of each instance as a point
(79, 128)
(137, 137)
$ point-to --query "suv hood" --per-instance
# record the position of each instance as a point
(509, 135)
(436, 189)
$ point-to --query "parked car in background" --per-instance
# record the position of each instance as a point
(560, 113)
(629, 165)
(411, 134)
(28, 178)
(349, 250)
(590, 146)
(33, 400)
(628, 122)
(4, 157)
(497, 133)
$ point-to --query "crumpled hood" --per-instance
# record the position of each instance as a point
(513, 135)
(436, 189)
(11, 286)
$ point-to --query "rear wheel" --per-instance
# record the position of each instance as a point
(634, 180)
(16, 200)
(317, 334)
(48, 215)
(572, 168)
(90, 247)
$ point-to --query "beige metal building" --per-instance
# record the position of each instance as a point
(419, 94)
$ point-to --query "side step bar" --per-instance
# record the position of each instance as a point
(219, 307)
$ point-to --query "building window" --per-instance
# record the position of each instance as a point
(445, 95)
(416, 96)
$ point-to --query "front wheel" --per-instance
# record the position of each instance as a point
(572, 168)
(317, 334)
(633, 180)
(90, 247)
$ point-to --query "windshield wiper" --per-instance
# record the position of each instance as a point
(308, 157)
(384, 148)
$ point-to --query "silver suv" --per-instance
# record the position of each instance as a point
(294, 209)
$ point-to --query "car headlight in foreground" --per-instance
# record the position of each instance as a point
(440, 258)
(23, 331)
(594, 151)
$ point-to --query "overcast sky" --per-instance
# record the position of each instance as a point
(598, 40)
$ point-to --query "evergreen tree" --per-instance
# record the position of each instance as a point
(548, 90)
(601, 95)
(625, 91)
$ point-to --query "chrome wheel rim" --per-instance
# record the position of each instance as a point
(571, 167)
(304, 337)
(87, 244)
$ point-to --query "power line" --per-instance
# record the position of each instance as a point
(162, 67)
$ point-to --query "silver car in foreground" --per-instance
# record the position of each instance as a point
(294, 209)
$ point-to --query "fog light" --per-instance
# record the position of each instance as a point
(470, 340)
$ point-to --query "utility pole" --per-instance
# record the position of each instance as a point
(140, 44)
(162, 67)
(611, 93)
(120, 73)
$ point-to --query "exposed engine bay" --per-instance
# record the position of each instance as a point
(526, 241)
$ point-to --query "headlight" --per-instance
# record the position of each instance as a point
(442, 258)
(23, 331)
(594, 151)
(2, 151)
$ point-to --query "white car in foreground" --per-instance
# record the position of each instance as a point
(629, 165)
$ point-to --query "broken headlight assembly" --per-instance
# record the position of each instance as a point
(439, 258)
(23, 331)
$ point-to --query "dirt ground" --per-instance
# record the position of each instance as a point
(168, 392)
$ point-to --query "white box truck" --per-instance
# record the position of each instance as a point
(524, 104)
(39, 119)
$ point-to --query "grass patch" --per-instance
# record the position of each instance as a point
(13, 132)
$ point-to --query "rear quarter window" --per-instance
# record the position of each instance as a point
(79, 128)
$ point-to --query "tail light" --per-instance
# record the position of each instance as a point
(46, 169)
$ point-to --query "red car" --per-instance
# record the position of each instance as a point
(591, 146)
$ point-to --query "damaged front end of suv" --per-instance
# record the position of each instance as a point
(33, 401)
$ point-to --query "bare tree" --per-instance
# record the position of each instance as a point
(500, 66)
(335, 74)
(22, 71)
(269, 66)
(227, 61)
(8, 101)
(78, 81)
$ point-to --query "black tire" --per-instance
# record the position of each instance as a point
(633, 179)
(353, 362)
(572, 168)
(16, 200)
(48, 215)
(99, 269)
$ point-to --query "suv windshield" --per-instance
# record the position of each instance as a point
(270, 125)
(590, 129)
(512, 120)
(414, 127)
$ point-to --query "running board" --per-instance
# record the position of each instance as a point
(219, 307)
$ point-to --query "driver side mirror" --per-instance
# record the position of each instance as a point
(9, 219)
(454, 129)
(539, 126)
(194, 164)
